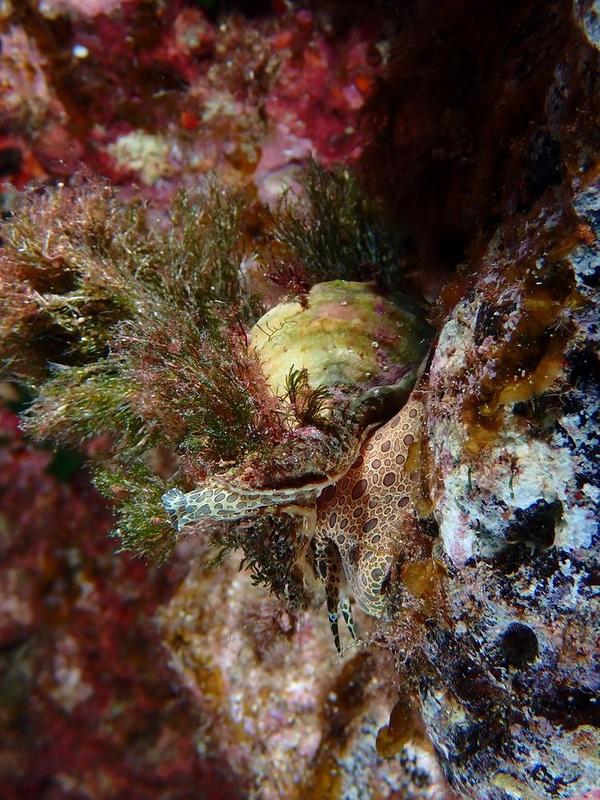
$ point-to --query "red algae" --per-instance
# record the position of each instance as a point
(245, 97)
(88, 702)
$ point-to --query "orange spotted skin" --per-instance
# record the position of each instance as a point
(365, 512)
(359, 522)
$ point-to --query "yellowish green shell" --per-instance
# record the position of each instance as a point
(345, 334)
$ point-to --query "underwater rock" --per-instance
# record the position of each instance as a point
(513, 413)
(292, 720)
(513, 407)
(88, 706)
(143, 153)
(86, 8)
(504, 661)
(492, 620)
(219, 90)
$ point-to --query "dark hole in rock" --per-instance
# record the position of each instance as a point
(592, 578)
(544, 167)
(592, 279)
(559, 279)
(467, 739)
(511, 558)
(11, 160)
(569, 706)
(535, 524)
(543, 412)
(488, 322)
(519, 645)
(249, 8)
(530, 533)
(471, 684)
(430, 527)
(584, 368)
(538, 408)
(452, 248)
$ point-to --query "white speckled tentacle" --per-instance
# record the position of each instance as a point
(222, 500)
(329, 570)
(225, 502)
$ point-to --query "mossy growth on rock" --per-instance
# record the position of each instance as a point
(331, 230)
(126, 324)
(129, 325)
(273, 548)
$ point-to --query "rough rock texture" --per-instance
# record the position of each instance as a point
(513, 412)
(161, 93)
(294, 720)
(516, 499)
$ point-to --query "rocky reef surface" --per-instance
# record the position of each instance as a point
(293, 720)
(469, 141)
(513, 434)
